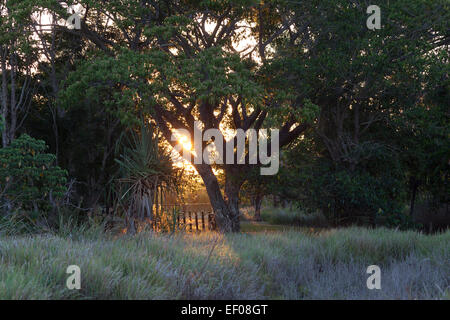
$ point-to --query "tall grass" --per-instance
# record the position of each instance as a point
(277, 265)
(295, 217)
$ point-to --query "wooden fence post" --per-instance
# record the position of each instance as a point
(190, 221)
(196, 220)
(203, 221)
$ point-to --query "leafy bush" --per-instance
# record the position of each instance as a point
(373, 192)
(29, 180)
(348, 197)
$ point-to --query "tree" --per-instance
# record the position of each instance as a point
(178, 63)
(167, 63)
(351, 164)
(256, 187)
(423, 139)
(16, 59)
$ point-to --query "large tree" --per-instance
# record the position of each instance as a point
(363, 82)
(179, 62)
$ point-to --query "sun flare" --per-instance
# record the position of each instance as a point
(185, 142)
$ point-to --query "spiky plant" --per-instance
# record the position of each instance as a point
(147, 173)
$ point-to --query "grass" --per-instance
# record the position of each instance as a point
(293, 217)
(288, 264)
(254, 226)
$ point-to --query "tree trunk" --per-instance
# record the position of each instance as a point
(226, 211)
(276, 201)
(232, 194)
(13, 106)
(5, 133)
(414, 187)
(258, 201)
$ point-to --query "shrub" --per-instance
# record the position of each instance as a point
(29, 180)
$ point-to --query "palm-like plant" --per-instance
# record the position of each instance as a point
(147, 173)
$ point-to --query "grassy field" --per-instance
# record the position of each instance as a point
(289, 264)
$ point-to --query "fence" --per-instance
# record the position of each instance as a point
(187, 217)
(196, 217)
(193, 221)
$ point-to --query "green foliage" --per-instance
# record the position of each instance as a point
(372, 193)
(383, 109)
(349, 197)
(423, 136)
(374, 103)
(142, 157)
(294, 217)
(147, 174)
(168, 222)
(29, 180)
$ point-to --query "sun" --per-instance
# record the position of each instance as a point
(185, 142)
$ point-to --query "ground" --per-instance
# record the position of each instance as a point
(272, 264)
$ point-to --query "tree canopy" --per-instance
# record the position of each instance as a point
(362, 114)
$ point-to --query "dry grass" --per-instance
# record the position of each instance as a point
(275, 265)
